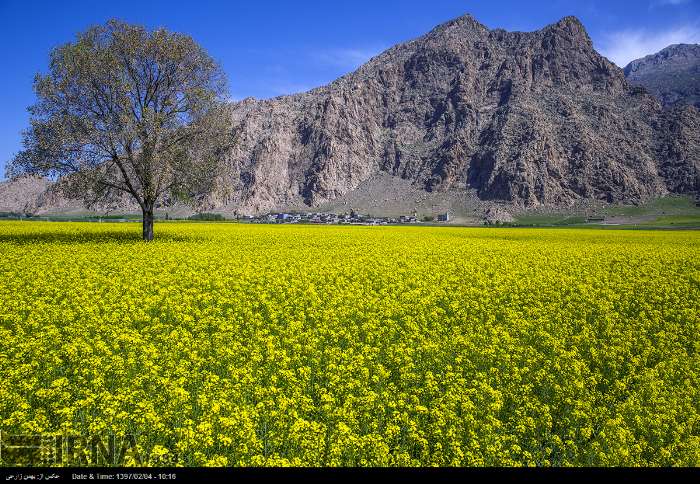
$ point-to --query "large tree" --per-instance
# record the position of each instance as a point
(125, 110)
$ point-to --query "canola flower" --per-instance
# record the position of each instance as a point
(241, 345)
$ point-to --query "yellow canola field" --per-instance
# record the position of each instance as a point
(228, 344)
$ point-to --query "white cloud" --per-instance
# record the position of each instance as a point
(345, 58)
(627, 45)
(662, 3)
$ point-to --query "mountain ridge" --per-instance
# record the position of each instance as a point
(532, 119)
(672, 74)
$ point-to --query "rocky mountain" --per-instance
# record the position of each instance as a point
(532, 119)
(537, 118)
(23, 195)
(672, 75)
(37, 196)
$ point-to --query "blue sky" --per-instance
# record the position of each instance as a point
(270, 48)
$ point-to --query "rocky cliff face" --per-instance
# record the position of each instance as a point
(534, 118)
(672, 75)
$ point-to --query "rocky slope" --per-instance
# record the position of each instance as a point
(672, 75)
(33, 195)
(534, 119)
(23, 195)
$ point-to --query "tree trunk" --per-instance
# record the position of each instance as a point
(148, 224)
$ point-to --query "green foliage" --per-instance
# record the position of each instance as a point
(127, 110)
(676, 221)
(12, 215)
(572, 220)
(212, 217)
(549, 219)
(675, 204)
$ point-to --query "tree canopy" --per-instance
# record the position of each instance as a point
(124, 110)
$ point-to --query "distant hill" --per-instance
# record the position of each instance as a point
(672, 75)
(24, 194)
